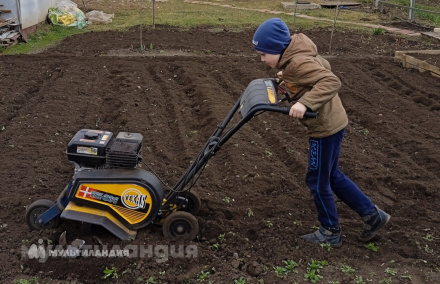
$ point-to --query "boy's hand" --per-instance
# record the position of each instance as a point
(280, 74)
(298, 110)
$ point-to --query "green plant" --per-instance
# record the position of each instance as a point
(378, 31)
(366, 132)
(151, 280)
(290, 265)
(241, 280)
(429, 237)
(390, 271)
(280, 272)
(221, 238)
(216, 246)
(326, 246)
(317, 265)
(313, 268)
(110, 273)
(386, 281)
(427, 249)
(202, 276)
(250, 213)
(372, 247)
(333, 282)
(27, 281)
(269, 224)
(347, 269)
(227, 199)
(312, 276)
(359, 280)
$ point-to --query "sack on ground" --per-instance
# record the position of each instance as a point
(99, 17)
(66, 13)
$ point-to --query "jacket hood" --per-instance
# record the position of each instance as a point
(300, 45)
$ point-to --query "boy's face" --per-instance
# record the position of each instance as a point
(269, 59)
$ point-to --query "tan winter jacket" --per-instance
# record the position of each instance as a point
(309, 80)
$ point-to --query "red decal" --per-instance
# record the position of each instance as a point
(85, 192)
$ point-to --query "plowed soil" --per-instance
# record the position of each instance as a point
(255, 204)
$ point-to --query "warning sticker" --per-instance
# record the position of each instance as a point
(87, 150)
(271, 95)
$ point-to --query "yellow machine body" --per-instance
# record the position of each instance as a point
(121, 200)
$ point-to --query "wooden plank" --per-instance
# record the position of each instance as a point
(400, 55)
(334, 4)
(5, 11)
(429, 51)
(14, 42)
(409, 61)
(412, 62)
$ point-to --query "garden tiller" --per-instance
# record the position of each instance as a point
(109, 188)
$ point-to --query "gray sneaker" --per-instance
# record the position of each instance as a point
(372, 223)
(324, 236)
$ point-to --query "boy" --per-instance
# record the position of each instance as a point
(310, 82)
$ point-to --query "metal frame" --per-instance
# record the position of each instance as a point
(412, 8)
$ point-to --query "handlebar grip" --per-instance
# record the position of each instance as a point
(307, 114)
(310, 114)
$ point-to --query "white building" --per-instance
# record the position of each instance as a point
(26, 13)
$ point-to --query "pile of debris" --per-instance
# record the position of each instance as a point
(9, 35)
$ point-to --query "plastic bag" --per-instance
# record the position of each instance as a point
(99, 17)
(66, 13)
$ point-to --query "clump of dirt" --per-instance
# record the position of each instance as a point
(255, 203)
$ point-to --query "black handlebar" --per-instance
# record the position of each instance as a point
(311, 114)
(256, 100)
(307, 114)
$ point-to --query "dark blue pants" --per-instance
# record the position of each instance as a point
(324, 178)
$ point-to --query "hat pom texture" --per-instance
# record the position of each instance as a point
(272, 37)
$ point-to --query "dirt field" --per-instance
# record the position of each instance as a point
(255, 203)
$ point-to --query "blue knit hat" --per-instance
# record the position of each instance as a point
(272, 37)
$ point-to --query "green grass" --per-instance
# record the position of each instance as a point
(185, 15)
(46, 36)
(173, 13)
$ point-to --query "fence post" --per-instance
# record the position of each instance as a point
(411, 10)
(381, 5)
